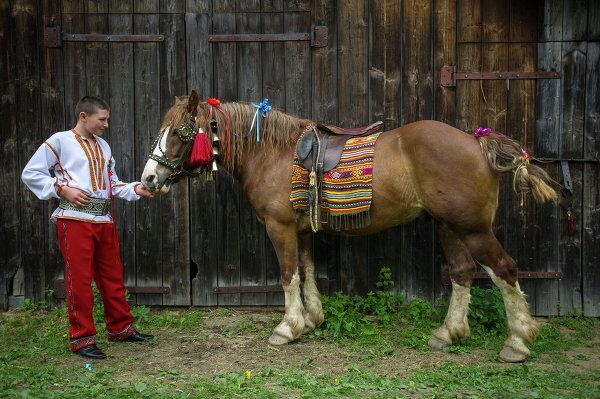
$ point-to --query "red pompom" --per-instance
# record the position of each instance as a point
(213, 101)
(201, 151)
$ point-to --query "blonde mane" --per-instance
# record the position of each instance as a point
(277, 129)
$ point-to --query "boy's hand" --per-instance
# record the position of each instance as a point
(75, 196)
(142, 191)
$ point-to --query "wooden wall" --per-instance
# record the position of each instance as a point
(382, 63)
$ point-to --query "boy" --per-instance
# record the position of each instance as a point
(85, 181)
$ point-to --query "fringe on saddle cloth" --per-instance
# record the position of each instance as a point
(346, 190)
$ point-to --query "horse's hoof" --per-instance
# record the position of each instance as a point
(438, 344)
(276, 339)
(282, 334)
(512, 355)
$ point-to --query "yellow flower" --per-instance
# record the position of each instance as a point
(248, 374)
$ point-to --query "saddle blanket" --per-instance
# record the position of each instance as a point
(347, 189)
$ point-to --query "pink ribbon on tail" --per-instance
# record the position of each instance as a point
(486, 131)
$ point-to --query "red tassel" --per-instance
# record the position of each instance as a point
(201, 152)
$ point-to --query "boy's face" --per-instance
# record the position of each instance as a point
(95, 123)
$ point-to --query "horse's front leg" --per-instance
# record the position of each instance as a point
(313, 309)
(285, 241)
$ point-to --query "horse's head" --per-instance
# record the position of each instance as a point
(170, 151)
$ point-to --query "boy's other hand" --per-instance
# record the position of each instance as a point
(75, 196)
(142, 191)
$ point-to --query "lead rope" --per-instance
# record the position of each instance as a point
(313, 186)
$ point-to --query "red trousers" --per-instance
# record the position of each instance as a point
(91, 252)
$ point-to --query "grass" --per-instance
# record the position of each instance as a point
(372, 334)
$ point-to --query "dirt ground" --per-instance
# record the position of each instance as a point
(237, 341)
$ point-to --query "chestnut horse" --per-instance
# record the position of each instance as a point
(422, 166)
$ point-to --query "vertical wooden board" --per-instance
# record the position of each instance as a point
(297, 5)
(122, 140)
(252, 232)
(148, 221)
(197, 6)
(495, 21)
(228, 192)
(590, 219)
(384, 94)
(146, 6)
(53, 115)
(444, 53)
(172, 6)
(468, 93)
(468, 20)
(324, 108)
(523, 21)
(416, 263)
(175, 213)
(353, 111)
(74, 67)
(571, 146)
(24, 16)
(273, 73)
(551, 21)
(594, 21)
(575, 20)
(521, 232)
(297, 66)
(96, 6)
(77, 6)
(120, 6)
(493, 112)
(10, 229)
(96, 56)
(203, 227)
(547, 138)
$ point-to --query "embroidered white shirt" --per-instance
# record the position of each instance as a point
(77, 162)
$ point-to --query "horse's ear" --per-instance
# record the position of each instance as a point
(193, 101)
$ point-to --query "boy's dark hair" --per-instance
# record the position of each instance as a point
(90, 105)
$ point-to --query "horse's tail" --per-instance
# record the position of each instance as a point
(505, 154)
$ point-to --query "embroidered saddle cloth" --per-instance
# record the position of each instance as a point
(346, 190)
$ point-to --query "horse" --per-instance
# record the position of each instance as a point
(424, 166)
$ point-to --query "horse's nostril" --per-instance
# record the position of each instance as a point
(150, 178)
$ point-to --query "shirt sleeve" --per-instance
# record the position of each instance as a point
(36, 174)
(121, 189)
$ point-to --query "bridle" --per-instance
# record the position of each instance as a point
(186, 132)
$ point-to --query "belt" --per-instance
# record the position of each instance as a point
(97, 206)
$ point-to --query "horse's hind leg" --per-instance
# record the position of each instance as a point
(462, 269)
(523, 329)
(313, 309)
(285, 241)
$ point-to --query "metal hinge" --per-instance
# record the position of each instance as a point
(323, 285)
(318, 37)
(59, 289)
(54, 37)
(521, 275)
(449, 75)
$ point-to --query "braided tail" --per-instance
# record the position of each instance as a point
(505, 154)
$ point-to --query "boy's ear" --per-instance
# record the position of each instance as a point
(193, 100)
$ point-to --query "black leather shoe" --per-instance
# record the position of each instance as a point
(138, 337)
(92, 352)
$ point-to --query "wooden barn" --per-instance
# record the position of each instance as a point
(526, 68)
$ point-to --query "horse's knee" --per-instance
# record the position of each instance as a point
(463, 272)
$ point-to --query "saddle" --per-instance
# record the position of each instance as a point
(319, 150)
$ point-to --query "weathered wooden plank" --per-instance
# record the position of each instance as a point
(353, 111)
(297, 5)
(416, 262)
(203, 228)
(10, 229)
(493, 112)
(520, 230)
(551, 21)
(96, 70)
(146, 6)
(468, 93)
(571, 146)
(252, 232)
(384, 93)
(523, 21)
(122, 140)
(120, 6)
(444, 53)
(228, 194)
(495, 21)
(96, 6)
(74, 67)
(273, 73)
(172, 6)
(174, 207)
(590, 219)
(53, 115)
(73, 6)
(575, 20)
(148, 221)
(198, 6)
(24, 15)
(469, 21)
(547, 138)
(593, 21)
(326, 247)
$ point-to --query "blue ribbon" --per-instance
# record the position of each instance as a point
(261, 108)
